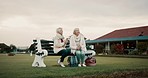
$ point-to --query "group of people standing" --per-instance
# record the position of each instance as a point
(77, 46)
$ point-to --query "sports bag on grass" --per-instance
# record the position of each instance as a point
(90, 61)
(72, 61)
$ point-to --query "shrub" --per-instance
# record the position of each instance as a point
(113, 48)
(117, 49)
(134, 52)
(142, 47)
(99, 48)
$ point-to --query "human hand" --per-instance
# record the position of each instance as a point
(78, 48)
(66, 41)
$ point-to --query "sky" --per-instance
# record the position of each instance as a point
(21, 21)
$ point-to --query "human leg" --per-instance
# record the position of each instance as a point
(63, 54)
(82, 54)
(78, 56)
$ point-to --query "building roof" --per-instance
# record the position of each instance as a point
(3, 45)
(124, 33)
(118, 39)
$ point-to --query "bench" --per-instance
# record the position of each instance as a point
(44, 48)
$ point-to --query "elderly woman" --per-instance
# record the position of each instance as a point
(59, 46)
(78, 46)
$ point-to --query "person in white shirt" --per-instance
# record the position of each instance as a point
(78, 46)
(59, 46)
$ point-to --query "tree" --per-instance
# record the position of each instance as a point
(32, 47)
(13, 48)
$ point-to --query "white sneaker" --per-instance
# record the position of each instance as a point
(83, 65)
(79, 65)
(59, 61)
(61, 64)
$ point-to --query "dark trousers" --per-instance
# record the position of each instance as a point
(64, 53)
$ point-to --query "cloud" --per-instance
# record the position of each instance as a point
(40, 18)
(16, 22)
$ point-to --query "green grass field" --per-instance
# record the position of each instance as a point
(19, 66)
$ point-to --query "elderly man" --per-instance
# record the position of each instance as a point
(59, 46)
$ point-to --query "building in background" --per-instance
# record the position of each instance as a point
(123, 41)
(22, 49)
(12, 48)
(4, 48)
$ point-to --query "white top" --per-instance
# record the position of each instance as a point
(58, 43)
(77, 41)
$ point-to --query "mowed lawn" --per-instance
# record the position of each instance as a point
(19, 66)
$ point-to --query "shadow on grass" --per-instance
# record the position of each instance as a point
(60, 66)
(119, 74)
